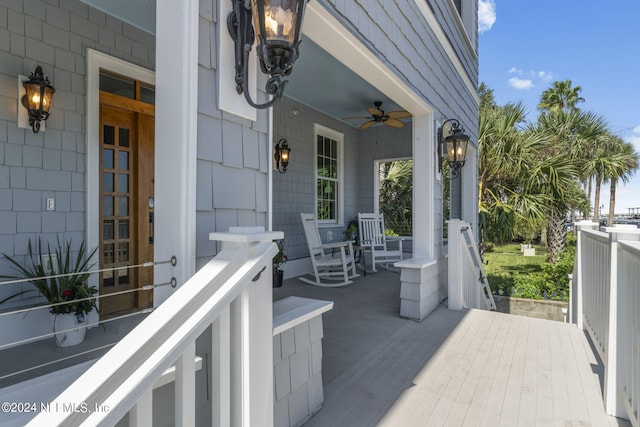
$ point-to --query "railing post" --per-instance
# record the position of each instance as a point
(614, 404)
(251, 340)
(455, 266)
(576, 305)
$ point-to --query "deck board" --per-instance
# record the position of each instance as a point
(455, 368)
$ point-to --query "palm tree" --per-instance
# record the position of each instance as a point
(629, 163)
(570, 136)
(560, 97)
(396, 195)
(580, 134)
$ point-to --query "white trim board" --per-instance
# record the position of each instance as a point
(97, 61)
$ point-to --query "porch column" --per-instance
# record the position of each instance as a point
(422, 277)
(176, 140)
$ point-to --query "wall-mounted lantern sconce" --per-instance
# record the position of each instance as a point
(38, 98)
(281, 155)
(277, 26)
(453, 146)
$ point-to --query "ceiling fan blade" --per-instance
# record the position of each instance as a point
(399, 114)
(356, 117)
(375, 112)
(367, 125)
(394, 123)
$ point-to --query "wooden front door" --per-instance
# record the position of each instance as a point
(126, 204)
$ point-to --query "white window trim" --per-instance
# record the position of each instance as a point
(339, 137)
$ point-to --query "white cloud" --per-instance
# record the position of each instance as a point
(545, 76)
(486, 15)
(528, 79)
(635, 139)
(519, 83)
(636, 129)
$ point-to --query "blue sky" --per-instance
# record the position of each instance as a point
(527, 45)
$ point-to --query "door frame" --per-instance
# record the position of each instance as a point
(97, 61)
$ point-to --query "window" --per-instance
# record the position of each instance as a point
(328, 175)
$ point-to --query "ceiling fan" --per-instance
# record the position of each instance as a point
(379, 116)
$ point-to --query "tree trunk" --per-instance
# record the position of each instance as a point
(557, 229)
(596, 201)
(612, 201)
(585, 215)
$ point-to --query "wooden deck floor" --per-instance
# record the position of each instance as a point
(456, 368)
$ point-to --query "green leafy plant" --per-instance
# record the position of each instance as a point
(280, 258)
(66, 288)
(529, 286)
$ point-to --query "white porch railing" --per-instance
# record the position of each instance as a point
(606, 290)
(232, 293)
(468, 286)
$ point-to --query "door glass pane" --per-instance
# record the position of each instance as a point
(107, 182)
(107, 254)
(123, 229)
(123, 279)
(107, 278)
(123, 183)
(123, 206)
(107, 159)
(123, 160)
(123, 251)
(107, 229)
(124, 137)
(107, 206)
(109, 135)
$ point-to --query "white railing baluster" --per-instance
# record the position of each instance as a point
(141, 415)
(185, 390)
(221, 370)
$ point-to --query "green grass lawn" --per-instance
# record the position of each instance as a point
(505, 262)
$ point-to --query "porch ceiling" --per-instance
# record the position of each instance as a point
(320, 81)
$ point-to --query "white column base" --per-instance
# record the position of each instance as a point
(422, 287)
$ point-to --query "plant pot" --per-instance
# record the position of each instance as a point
(277, 278)
(69, 328)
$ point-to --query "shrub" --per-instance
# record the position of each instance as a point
(529, 286)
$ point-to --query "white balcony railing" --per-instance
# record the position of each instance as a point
(605, 300)
(232, 294)
(468, 285)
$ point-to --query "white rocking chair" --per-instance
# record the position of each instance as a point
(374, 241)
(332, 262)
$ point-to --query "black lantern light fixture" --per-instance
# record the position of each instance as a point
(281, 155)
(453, 146)
(277, 26)
(38, 98)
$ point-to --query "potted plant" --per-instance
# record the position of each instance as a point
(351, 233)
(278, 261)
(63, 282)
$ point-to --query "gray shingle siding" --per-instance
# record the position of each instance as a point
(294, 191)
(34, 167)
